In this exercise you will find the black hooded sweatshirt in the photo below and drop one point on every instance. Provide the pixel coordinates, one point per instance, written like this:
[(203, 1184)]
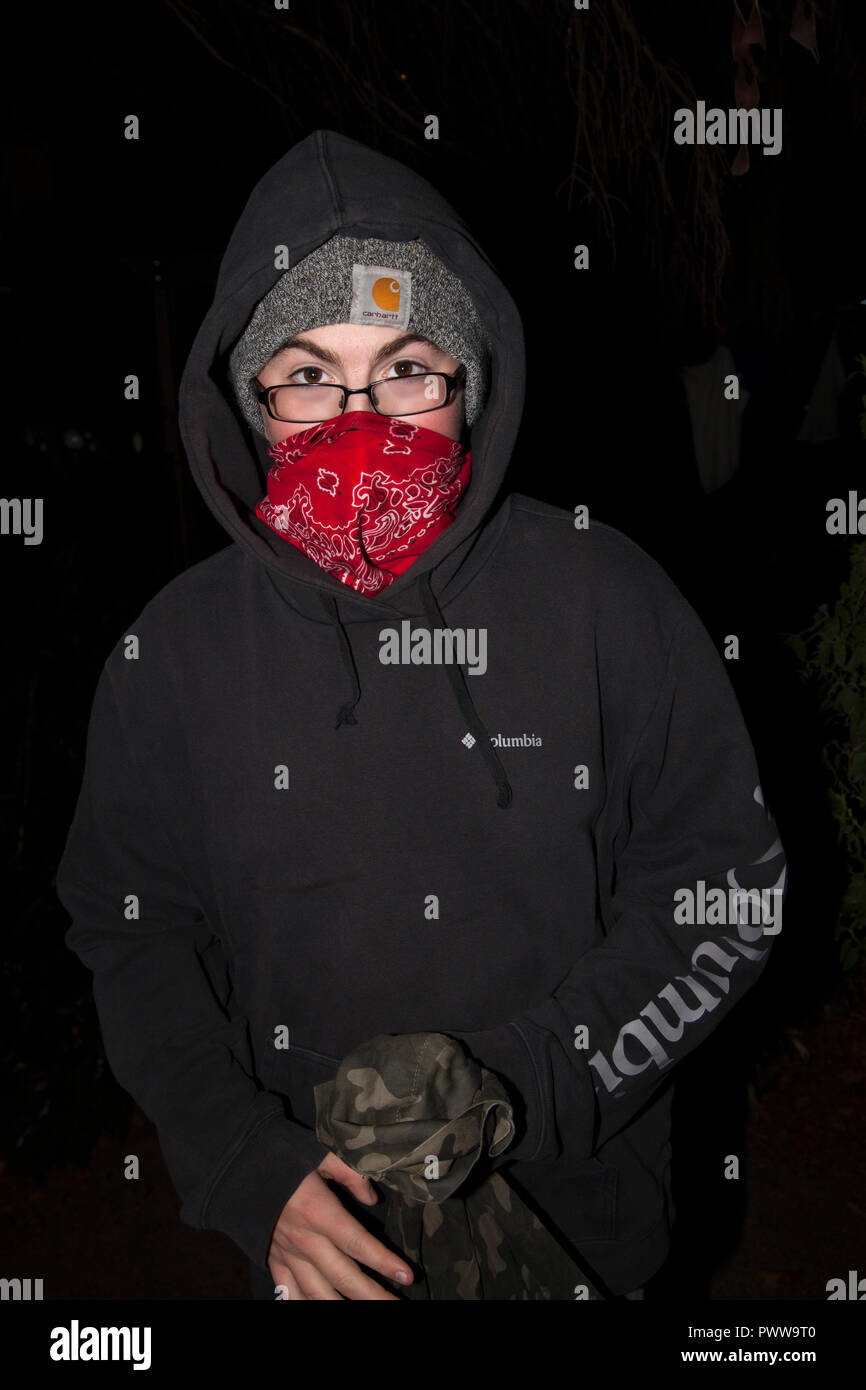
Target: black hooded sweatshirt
[(284, 846)]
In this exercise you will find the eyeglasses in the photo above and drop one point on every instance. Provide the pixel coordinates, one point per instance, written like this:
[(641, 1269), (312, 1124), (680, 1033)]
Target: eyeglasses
[(400, 395)]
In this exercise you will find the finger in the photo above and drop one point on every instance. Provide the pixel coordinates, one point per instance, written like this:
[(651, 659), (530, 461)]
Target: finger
[(325, 1216), (312, 1282), (341, 1274), (358, 1184), (360, 1187), (351, 1238), (284, 1280)]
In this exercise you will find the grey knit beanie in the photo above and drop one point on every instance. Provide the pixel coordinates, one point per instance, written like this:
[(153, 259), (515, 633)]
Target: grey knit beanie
[(349, 280)]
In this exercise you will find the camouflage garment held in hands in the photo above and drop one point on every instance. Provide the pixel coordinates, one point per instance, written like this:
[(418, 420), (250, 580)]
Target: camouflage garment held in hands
[(415, 1112)]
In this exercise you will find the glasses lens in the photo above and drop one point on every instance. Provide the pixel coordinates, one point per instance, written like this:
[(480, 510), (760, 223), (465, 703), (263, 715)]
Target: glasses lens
[(409, 395), (301, 403)]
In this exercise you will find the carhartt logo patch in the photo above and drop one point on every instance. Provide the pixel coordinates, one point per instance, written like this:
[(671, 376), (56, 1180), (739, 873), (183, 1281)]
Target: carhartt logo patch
[(381, 295)]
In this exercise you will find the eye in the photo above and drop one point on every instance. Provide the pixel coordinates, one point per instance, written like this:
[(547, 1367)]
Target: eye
[(304, 380), (410, 363)]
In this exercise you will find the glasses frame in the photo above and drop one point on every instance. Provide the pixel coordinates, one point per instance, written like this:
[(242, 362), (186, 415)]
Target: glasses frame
[(453, 381)]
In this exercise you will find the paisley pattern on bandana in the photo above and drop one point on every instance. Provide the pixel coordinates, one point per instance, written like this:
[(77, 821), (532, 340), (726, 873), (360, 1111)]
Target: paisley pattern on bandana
[(363, 495)]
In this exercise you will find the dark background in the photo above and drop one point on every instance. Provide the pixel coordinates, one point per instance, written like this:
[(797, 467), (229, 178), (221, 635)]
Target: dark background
[(555, 129)]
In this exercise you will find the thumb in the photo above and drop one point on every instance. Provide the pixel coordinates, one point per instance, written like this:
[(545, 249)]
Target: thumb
[(359, 1185)]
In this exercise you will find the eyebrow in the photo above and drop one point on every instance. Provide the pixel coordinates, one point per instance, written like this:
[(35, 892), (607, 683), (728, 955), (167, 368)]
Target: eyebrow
[(325, 354)]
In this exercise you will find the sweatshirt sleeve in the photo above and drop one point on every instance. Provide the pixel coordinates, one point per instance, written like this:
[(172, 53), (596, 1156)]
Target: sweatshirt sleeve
[(685, 818), (233, 1154)]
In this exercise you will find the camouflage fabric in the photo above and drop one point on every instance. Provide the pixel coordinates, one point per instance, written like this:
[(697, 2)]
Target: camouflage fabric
[(414, 1112)]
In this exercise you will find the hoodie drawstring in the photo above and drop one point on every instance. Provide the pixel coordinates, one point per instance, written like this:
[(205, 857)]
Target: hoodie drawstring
[(345, 714), (456, 678)]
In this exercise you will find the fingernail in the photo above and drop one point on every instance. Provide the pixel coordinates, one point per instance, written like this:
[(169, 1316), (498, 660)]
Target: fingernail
[(402, 1276)]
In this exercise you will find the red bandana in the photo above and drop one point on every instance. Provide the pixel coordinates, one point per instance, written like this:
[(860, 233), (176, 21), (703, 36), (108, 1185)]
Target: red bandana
[(363, 494)]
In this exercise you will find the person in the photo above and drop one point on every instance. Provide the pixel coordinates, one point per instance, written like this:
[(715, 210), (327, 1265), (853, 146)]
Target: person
[(411, 753)]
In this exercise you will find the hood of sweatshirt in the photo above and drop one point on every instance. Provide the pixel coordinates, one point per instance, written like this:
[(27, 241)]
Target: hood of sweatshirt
[(330, 185), (325, 186)]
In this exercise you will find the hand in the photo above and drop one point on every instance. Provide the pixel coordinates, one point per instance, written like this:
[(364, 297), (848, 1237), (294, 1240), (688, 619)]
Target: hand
[(316, 1243)]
